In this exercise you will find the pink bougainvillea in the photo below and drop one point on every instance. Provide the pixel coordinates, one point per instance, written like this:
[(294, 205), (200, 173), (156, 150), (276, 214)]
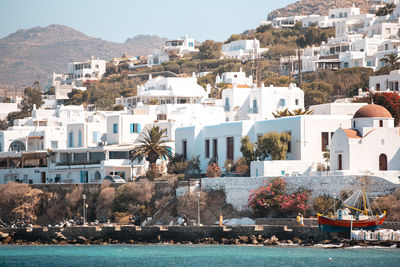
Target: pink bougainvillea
[(271, 199)]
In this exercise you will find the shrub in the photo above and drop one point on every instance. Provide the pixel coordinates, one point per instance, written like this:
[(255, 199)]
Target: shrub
[(241, 167), (272, 200), (19, 201), (134, 198), (105, 202), (323, 203), (188, 203), (177, 164), (391, 204), (213, 170)]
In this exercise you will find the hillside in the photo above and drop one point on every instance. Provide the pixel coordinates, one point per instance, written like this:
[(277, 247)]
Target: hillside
[(316, 7), (41, 51)]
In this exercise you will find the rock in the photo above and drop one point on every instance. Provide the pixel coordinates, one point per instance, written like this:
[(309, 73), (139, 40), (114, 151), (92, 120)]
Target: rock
[(54, 241), (274, 239), (237, 241), (290, 242), (7, 240), (224, 240), (326, 242), (131, 241), (296, 240), (3, 236), (260, 238), (81, 239), (63, 242), (254, 242), (243, 239), (60, 236)]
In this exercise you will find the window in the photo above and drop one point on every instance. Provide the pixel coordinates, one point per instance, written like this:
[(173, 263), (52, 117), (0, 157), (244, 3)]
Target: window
[(282, 102), (207, 148), (289, 144), (227, 107), (17, 146), (135, 128), (115, 128), (296, 102), (1, 147), (324, 141), (354, 124), (184, 149), (119, 154), (79, 138), (255, 106), (161, 117), (380, 123), (54, 144), (378, 87), (96, 137), (345, 65), (71, 139), (229, 148), (340, 165), (215, 148)]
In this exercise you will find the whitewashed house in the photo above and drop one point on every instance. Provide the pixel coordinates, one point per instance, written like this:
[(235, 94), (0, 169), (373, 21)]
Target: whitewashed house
[(372, 143), (385, 82), (243, 49), (180, 46), (311, 137)]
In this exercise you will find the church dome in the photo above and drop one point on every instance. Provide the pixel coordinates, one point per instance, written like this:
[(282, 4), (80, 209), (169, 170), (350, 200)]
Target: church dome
[(372, 111)]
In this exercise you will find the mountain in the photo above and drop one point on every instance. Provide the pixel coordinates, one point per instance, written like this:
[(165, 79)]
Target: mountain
[(40, 51), (316, 7)]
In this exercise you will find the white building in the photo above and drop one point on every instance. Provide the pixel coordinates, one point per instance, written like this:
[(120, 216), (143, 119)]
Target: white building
[(243, 49), (171, 90), (180, 46), (385, 82), (86, 71), (371, 144), (244, 103), (311, 137)]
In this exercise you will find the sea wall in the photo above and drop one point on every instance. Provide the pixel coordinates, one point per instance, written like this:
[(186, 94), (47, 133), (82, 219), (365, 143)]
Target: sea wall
[(153, 234), (238, 189)]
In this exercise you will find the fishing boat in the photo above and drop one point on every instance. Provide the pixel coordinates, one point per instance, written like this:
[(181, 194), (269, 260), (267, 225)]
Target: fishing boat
[(344, 221)]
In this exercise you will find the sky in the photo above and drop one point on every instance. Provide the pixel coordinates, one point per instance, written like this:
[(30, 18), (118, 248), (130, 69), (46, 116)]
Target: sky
[(117, 20)]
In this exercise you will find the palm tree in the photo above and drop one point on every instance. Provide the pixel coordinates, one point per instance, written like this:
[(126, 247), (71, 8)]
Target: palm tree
[(390, 59), (296, 112), (152, 146)]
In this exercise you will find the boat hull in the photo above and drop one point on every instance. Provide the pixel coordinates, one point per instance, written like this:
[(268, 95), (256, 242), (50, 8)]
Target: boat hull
[(337, 225)]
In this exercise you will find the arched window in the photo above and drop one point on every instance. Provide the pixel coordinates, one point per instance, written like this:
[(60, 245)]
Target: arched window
[(97, 176), (380, 123), (17, 146), (354, 124), (87, 75), (382, 162)]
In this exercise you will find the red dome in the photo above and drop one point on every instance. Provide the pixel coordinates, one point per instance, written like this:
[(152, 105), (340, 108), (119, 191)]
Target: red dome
[(372, 111)]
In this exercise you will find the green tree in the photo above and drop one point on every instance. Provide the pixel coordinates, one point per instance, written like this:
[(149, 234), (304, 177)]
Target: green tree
[(32, 96), (248, 150), (386, 10), (51, 91), (275, 144), (390, 59), (77, 97), (210, 50), (152, 146)]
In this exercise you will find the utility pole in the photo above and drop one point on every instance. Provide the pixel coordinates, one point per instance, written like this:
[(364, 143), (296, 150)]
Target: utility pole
[(84, 208), (198, 208)]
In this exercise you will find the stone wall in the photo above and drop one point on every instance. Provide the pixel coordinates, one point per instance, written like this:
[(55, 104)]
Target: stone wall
[(163, 233), (238, 189)]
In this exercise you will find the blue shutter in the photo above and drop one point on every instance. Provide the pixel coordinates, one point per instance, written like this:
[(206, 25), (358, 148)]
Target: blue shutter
[(132, 127), (71, 139), (138, 128), (115, 128), (95, 136), (79, 138)]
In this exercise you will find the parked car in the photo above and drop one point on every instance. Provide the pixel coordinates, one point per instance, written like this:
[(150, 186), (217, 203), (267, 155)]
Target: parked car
[(114, 179)]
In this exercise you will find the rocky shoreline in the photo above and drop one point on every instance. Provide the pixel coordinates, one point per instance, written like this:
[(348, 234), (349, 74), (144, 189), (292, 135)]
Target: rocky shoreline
[(260, 240)]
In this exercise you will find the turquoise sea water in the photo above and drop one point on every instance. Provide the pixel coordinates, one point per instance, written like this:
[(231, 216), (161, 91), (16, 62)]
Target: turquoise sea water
[(193, 255)]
